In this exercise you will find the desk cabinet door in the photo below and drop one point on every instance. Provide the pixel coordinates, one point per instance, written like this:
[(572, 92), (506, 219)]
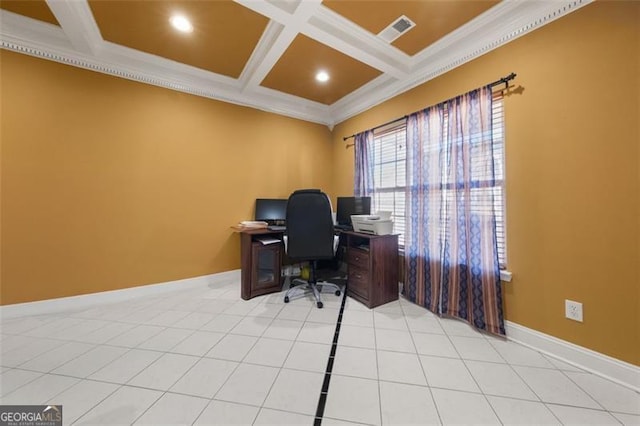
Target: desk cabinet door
[(265, 271)]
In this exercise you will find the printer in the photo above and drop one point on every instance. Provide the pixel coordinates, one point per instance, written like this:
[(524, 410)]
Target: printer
[(379, 223)]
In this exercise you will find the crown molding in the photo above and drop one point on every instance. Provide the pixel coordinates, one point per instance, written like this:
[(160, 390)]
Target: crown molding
[(79, 43), (498, 26), (48, 41)]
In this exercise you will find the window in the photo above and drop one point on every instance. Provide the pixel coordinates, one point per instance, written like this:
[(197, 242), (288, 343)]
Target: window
[(389, 156)]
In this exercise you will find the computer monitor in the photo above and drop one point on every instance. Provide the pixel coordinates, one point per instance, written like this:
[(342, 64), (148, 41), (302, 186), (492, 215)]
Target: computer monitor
[(351, 205), (271, 210)]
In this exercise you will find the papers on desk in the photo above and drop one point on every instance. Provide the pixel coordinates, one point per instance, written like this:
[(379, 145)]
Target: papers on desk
[(267, 240), (252, 224)]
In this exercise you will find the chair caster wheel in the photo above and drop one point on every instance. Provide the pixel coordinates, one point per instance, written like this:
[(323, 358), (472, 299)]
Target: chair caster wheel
[(319, 305), (286, 299), (337, 292)]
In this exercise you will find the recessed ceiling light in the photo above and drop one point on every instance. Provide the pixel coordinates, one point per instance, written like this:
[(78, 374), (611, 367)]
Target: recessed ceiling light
[(181, 23), (322, 76)]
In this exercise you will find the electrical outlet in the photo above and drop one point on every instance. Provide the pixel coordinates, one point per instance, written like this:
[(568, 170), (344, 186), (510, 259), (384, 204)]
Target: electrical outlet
[(573, 310)]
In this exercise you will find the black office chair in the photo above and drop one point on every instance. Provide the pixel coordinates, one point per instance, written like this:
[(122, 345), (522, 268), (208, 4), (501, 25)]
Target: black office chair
[(310, 237)]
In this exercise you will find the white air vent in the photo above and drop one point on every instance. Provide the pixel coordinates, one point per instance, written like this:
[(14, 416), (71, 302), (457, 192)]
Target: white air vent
[(396, 29)]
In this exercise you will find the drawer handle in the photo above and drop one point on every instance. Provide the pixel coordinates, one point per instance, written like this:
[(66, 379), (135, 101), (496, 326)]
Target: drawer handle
[(358, 276)]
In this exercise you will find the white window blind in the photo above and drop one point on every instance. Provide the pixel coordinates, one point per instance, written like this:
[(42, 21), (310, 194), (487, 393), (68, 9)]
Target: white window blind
[(497, 121), (389, 170), (389, 145)]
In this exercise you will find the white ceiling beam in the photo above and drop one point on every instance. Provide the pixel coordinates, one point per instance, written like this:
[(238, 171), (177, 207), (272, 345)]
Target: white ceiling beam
[(305, 10), (275, 40), (268, 10), (327, 27), (334, 30), (78, 23), (266, 59)]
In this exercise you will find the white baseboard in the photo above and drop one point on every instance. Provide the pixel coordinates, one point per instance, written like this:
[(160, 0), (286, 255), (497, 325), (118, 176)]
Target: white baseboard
[(613, 369), (603, 365), (85, 301)]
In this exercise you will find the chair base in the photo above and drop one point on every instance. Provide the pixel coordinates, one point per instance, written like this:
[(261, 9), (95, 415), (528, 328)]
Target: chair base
[(307, 287)]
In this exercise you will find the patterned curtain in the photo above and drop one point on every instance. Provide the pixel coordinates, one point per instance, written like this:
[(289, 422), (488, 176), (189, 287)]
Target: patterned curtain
[(363, 177), (451, 256)]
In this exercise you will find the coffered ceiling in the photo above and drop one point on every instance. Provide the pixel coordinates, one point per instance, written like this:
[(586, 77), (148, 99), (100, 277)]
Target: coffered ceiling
[(266, 53)]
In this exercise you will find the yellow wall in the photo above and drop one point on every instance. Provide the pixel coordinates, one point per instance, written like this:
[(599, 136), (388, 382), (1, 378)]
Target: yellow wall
[(108, 183), (573, 176)]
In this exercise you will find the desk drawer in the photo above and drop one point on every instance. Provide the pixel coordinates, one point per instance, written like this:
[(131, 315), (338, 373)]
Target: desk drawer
[(359, 281), (359, 258)]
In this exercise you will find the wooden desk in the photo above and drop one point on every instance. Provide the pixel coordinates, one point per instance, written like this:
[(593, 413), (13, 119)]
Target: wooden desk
[(372, 262), (260, 263)]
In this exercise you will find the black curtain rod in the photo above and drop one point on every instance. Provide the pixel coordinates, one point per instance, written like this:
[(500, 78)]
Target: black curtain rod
[(377, 127), (503, 80)]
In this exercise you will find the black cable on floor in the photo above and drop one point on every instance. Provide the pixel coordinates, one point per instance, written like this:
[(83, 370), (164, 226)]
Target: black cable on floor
[(327, 374)]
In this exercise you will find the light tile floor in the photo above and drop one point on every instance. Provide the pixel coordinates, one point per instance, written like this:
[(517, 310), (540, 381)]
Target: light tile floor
[(203, 356)]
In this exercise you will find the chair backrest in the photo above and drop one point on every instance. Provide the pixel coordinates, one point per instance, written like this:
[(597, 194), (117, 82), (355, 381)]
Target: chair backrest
[(309, 225)]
